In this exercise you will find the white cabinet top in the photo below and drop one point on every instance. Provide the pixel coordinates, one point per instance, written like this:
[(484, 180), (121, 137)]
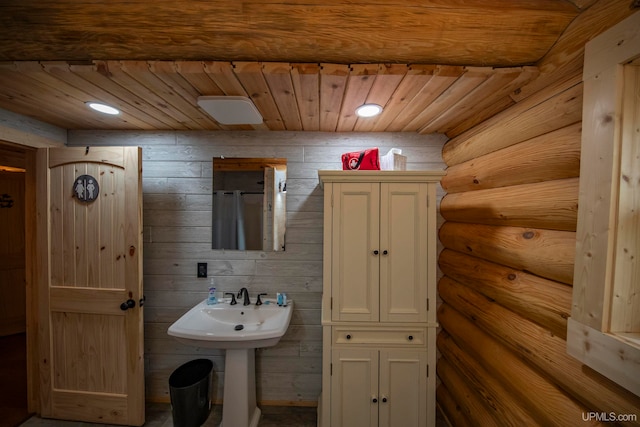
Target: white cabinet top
[(379, 176)]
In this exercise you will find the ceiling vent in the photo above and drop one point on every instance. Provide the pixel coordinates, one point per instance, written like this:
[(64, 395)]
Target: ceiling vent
[(231, 110)]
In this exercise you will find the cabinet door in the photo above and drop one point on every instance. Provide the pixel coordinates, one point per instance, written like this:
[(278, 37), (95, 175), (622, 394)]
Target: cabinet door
[(354, 388), (354, 261), (404, 247), (403, 388)]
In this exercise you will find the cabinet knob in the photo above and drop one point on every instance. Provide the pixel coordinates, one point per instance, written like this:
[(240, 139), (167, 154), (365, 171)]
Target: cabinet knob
[(376, 252), (384, 400), (348, 336), (374, 400), (410, 337), (385, 252)]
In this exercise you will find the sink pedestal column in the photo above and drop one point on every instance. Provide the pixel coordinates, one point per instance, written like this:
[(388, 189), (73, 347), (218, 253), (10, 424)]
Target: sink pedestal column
[(239, 407)]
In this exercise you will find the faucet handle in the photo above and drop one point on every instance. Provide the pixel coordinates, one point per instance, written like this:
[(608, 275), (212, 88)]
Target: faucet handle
[(259, 301), (233, 298)]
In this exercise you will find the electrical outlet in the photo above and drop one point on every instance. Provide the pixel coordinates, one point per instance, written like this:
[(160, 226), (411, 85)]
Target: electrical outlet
[(202, 269)]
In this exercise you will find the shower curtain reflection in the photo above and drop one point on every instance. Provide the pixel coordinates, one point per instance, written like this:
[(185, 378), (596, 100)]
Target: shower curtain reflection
[(237, 217)]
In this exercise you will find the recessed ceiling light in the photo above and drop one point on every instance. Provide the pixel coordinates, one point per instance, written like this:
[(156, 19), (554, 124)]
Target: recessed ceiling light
[(103, 108), (368, 110)]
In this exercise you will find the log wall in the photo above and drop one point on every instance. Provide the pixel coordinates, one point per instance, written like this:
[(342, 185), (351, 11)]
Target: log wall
[(177, 185), (509, 248)]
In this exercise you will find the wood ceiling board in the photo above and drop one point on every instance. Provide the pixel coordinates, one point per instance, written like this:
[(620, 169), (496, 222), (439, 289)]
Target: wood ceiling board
[(131, 117), (386, 83), (475, 87), (472, 109), (24, 85), (167, 96), (106, 90), (416, 77), (152, 103), (359, 83), (443, 77), (250, 75), (194, 73), (333, 82), (184, 95), (306, 83), (278, 77)]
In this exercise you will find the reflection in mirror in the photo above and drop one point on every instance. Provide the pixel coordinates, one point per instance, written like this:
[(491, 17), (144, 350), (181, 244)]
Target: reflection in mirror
[(249, 203)]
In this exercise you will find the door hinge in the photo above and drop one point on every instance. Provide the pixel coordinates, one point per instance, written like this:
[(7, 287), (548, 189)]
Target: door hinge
[(427, 304), (331, 369), (331, 303), (427, 370)]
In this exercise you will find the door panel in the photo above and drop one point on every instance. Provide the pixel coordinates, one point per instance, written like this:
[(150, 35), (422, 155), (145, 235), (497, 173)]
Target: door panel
[(403, 268), (354, 385), (90, 262), (403, 383), (355, 267)]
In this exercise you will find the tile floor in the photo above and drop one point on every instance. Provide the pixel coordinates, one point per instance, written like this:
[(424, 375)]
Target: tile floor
[(159, 415)]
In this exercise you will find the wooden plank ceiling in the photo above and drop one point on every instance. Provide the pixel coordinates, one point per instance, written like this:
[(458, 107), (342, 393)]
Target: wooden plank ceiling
[(434, 65)]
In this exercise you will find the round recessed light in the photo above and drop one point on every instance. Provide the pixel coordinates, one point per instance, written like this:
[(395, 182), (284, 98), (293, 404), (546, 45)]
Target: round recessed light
[(103, 108), (368, 110)]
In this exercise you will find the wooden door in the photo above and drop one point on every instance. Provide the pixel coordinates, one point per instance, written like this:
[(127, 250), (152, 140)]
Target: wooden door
[(89, 263), (403, 388), (404, 246), (355, 253), (354, 388)]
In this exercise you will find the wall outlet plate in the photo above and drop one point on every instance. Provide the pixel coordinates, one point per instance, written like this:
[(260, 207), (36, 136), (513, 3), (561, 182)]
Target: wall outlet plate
[(202, 269)]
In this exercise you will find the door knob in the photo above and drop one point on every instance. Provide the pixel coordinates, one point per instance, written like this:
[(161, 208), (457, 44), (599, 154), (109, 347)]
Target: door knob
[(127, 305), (142, 300)]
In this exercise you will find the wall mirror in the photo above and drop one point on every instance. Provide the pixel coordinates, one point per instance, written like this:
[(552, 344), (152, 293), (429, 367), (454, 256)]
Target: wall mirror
[(249, 203)]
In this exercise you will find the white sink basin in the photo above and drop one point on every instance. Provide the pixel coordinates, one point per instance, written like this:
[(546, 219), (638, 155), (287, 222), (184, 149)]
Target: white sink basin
[(229, 326)]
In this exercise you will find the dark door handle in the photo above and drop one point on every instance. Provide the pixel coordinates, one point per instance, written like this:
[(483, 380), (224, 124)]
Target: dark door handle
[(127, 305)]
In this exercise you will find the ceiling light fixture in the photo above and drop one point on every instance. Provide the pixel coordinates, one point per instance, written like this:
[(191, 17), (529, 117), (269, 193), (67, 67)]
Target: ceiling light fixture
[(103, 108), (231, 110), (368, 110)]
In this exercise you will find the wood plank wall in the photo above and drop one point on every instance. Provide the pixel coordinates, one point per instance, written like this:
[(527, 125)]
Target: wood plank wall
[(177, 233), (509, 247)]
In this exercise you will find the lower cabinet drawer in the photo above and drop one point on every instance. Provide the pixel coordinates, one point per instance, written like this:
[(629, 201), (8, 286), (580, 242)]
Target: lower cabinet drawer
[(410, 337)]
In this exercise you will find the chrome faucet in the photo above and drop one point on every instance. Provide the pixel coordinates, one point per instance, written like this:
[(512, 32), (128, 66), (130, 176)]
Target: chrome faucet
[(244, 292)]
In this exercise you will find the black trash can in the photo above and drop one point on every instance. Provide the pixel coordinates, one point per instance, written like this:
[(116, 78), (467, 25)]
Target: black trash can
[(190, 390)]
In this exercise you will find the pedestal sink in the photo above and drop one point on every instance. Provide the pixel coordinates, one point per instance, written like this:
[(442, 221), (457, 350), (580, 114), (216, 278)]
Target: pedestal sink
[(238, 329)]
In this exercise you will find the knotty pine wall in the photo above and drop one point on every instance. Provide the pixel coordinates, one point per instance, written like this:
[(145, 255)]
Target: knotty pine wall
[(177, 182), (509, 244)]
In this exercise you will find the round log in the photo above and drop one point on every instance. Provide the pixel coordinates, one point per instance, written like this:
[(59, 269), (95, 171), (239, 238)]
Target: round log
[(551, 406), (541, 349), (546, 253), (498, 399), (465, 397), (555, 155), (450, 409), (516, 124), (551, 205), (543, 301)]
